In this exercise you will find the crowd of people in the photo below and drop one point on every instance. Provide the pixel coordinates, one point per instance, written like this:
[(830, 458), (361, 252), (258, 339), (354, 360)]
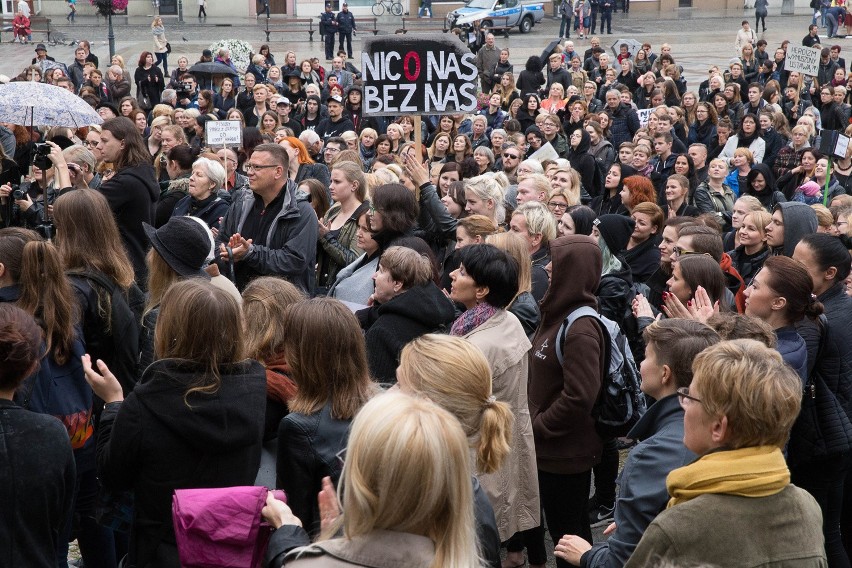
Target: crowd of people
[(190, 313)]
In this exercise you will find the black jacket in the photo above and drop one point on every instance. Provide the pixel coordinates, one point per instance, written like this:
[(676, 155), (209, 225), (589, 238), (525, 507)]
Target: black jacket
[(832, 371), (131, 194), (308, 448), (583, 161), (156, 441), (614, 294), (36, 486), (525, 308), (390, 326), (643, 259), (288, 250), (210, 210), (748, 265)]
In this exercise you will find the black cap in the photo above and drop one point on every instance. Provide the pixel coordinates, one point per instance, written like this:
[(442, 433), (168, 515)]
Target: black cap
[(207, 53), (110, 106), (615, 230), (183, 244), (40, 47)]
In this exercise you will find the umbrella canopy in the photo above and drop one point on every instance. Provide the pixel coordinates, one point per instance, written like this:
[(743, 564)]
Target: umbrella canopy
[(632, 46), (212, 68), (38, 104), (548, 51)]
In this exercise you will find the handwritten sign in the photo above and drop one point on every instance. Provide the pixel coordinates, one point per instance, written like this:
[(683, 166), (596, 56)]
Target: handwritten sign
[(223, 132), (803, 59), (417, 74), (644, 115)]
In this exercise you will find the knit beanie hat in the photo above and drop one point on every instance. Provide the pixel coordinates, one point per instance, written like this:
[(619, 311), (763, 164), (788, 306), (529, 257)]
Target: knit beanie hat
[(615, 230)]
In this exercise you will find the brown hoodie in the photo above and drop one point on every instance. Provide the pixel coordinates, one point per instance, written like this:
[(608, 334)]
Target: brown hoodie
[(561, 397)]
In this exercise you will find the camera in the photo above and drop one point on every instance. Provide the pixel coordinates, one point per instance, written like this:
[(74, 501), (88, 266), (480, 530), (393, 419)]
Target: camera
[(41, 156), (20, 191), (184, 91)]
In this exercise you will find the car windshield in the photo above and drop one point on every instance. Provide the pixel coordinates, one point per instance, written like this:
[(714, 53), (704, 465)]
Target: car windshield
[(482, 4)]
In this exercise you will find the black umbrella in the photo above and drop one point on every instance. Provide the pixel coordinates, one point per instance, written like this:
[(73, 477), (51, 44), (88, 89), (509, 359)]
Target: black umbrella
[(212, 68), (548, 51), (207, 70)]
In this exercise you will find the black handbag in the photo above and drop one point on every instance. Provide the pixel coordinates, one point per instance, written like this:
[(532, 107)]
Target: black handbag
[(168, 47)]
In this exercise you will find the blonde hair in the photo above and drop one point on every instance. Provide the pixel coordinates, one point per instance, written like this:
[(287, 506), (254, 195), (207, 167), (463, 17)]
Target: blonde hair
[(750, 385), (824, 217), (379, 177), (746, 153), (752, 202), (519, 249), (572, 194), (454, 374), (407, 469), (760, 219), (539, 220), (486, 188)]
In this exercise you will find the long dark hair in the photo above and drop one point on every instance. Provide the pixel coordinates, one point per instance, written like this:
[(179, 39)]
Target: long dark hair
[(135, 150)]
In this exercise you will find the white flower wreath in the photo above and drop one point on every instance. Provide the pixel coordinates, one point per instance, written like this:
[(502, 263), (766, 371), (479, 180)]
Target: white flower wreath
[(241, 51)]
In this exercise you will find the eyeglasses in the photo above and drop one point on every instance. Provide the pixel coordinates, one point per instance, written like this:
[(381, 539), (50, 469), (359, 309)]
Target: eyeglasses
[(520, 171), (332, 149), (678, 252), (557, 205), (249, 168), (683, 393), (513, 156)]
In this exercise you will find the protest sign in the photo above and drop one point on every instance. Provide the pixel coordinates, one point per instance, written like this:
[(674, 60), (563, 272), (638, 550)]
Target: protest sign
[(803, 59), (417, 74), (223, 132), (644, 115)]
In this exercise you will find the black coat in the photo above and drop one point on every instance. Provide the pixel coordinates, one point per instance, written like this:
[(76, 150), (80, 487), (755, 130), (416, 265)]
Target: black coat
[(210, 210), (643, 259), (390, 326), (748, 265), (308, 448), (36, 486), (131, 194), (154, 442), (833, 367), (525, 308)]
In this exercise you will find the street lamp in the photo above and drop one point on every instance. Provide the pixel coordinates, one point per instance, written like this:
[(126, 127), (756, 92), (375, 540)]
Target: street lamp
[(107, 8)]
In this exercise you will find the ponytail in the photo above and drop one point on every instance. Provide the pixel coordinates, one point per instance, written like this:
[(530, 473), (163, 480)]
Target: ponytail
[(814, 307), (495, 432), (46, 294)]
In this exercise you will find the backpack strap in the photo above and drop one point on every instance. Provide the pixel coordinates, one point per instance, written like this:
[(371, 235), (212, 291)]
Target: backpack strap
[(584, 311), (98, 277)]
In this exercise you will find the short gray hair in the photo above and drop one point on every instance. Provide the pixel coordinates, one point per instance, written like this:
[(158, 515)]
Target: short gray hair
[(169, 95), (214, 169)]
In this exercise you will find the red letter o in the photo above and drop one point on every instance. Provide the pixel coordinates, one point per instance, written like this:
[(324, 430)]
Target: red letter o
[(409, 56)]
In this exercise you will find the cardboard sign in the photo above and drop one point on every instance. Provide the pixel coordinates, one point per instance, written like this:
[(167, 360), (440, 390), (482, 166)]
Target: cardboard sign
[(417, 74), (223, 133), (803, 59)]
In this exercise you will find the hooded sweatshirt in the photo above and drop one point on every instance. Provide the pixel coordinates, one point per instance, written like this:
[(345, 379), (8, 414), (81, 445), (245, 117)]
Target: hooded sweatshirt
[(160, 439), (561, 397), (799, 220), (390, 326), (769, 196), (583, 161)]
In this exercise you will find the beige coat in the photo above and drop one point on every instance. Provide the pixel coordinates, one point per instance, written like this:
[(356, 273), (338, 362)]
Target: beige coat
[(379, 549), (513, 489)]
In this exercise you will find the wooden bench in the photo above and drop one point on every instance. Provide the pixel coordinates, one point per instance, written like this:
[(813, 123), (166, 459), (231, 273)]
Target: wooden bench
[(290, 25), (368, 25), (38, 25), (415, 24)]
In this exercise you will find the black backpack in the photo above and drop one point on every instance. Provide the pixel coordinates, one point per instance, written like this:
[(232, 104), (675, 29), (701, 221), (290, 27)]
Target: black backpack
[(621, 402), (119, 340)]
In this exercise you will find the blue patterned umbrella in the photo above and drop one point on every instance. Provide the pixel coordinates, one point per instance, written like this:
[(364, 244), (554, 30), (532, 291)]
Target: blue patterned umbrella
[(38, 104)]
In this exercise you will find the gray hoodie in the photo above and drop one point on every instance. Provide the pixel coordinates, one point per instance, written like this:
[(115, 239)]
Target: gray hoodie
[(799, 220)]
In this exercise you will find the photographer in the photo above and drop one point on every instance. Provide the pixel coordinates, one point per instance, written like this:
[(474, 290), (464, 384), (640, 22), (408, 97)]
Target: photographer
[(23, 205), (187, 92), (81, 167)]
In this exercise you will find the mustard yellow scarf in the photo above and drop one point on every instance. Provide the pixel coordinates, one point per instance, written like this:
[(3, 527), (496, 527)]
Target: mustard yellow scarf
[(747, 472)]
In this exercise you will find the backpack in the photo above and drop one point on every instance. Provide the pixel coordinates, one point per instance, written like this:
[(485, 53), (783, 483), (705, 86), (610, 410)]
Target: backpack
[(120, 343), (621, 403)]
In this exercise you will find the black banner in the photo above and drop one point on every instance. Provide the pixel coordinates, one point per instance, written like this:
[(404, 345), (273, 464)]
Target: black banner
[(411, 74)]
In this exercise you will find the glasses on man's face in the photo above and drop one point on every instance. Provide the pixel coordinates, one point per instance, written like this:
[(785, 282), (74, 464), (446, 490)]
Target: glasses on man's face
[(332, 150), (249, 168), (683, 394), (556, 206), (512, 156)]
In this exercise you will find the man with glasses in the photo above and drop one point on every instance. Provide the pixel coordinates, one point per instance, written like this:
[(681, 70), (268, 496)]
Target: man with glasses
[(332, 150), (512, 156), (270, 230)]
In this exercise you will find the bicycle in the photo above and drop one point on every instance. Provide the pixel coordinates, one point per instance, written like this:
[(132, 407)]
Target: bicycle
[(393, 5)]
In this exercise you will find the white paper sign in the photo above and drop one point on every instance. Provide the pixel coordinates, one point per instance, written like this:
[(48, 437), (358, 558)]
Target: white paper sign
[(644, 115), (223, 132), (546, 152), (802, 59)]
